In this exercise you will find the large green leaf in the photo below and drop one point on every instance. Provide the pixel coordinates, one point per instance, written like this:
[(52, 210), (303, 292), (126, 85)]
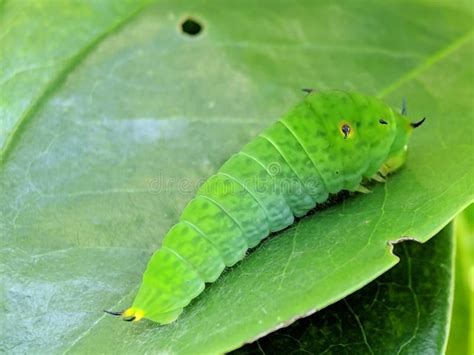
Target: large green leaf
[(461, 335), (403, 311), (116, 146), (41, 43)]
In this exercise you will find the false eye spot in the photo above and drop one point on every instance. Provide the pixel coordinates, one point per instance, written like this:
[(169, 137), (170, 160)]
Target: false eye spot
[(382, 121), (346, 130)]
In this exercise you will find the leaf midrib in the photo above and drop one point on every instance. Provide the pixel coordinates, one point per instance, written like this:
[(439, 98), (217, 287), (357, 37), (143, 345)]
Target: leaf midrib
[(427, 64), (56, 81)]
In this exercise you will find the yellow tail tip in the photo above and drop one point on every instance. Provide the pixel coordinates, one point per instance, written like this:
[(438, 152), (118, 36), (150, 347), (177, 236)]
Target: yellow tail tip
[(133, 314)]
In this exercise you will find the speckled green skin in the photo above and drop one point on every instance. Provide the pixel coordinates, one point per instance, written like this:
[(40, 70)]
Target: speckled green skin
[(284, 172)]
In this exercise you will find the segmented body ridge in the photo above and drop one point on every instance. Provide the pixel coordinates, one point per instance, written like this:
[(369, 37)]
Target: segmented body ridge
[(284, 172)]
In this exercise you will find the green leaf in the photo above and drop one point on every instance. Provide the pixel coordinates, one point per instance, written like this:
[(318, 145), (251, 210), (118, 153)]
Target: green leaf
[(461, 335), (403, 311), (41, 43), (109, 156)]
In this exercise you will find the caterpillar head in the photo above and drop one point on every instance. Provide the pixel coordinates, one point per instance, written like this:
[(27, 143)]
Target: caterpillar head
[(362, 134), (398, 150)]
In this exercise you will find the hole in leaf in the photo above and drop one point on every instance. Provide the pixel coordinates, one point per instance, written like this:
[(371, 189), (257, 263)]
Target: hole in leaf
[(191, 27)]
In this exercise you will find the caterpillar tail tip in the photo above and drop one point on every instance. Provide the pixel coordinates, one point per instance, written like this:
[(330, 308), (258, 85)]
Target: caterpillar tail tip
[(133, 314), (128, 315), (113, 313)]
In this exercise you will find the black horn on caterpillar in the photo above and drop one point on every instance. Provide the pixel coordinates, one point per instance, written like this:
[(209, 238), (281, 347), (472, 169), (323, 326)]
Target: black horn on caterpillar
[(419, 123)]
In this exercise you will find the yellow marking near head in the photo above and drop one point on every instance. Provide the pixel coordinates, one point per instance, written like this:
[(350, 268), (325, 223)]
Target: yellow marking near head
[(394, 162)]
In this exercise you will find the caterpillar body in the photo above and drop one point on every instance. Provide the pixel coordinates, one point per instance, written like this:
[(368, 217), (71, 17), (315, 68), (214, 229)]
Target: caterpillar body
[(331, 141)]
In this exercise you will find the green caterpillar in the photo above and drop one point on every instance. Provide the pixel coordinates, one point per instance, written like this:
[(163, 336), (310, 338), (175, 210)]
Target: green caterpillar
[(329, 142)]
